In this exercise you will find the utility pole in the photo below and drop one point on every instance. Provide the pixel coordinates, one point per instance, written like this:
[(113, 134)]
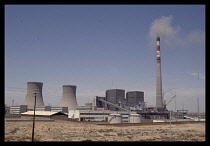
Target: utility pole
[(175, 100), (170, 128), (198, 108), (13, 102), (34, 114), (183, 106)]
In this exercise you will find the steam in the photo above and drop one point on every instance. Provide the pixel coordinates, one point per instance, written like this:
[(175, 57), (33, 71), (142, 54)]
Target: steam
[(162, 27), (171, 37)]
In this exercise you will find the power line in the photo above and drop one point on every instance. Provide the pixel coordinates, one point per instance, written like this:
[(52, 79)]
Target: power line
[(16, 88), (56, 95)]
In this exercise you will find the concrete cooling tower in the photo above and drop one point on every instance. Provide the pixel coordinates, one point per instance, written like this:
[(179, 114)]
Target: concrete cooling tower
[(69, 97), (30, 96)]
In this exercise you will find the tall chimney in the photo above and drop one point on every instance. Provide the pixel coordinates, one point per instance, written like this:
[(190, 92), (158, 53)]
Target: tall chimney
[(159, 99)]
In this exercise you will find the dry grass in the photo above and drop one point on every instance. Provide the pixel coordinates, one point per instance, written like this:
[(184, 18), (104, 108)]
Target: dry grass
[(78, 131)]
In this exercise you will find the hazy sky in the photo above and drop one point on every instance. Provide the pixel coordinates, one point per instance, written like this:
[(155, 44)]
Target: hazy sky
[(100, 47)]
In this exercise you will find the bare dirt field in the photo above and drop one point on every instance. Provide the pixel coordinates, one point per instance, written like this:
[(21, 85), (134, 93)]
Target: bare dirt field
[(79, 131)]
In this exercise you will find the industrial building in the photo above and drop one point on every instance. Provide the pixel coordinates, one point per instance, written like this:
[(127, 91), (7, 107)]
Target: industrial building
[(113, 106), (134, 98), (99, 103), (115, 96), (7, 110), (45, 115), (85, 115), (17, 110), (42, 108), (59, 109), (51, 108)]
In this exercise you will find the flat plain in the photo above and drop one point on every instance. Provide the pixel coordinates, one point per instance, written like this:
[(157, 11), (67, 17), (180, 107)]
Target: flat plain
[(84, 131)]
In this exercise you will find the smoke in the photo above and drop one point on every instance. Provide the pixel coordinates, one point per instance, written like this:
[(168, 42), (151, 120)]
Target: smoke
[(162, 27), (173, 37)]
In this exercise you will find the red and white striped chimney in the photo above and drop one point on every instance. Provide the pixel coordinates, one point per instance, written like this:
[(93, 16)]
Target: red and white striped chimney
[(158, 49), (159, 99)]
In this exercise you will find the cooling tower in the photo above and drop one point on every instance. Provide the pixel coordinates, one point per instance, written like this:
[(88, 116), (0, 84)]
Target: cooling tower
[(69, 97), (30, 96), (159, 100)]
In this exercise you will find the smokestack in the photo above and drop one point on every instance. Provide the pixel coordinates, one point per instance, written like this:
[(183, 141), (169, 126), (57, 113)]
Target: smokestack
[(30, 97), (159, 99), (69, 97)]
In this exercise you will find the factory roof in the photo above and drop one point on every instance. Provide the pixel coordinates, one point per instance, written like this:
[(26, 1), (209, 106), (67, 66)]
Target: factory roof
[(134, 91), (42, 113), (69, 86), (34, 82), (115, 114), (134, 114), (114, 89)]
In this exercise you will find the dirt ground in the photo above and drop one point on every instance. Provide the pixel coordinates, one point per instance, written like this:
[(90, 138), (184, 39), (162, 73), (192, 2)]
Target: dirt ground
[(78, 131)]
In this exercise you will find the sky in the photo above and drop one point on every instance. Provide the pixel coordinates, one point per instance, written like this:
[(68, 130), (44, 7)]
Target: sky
[(101, 47)]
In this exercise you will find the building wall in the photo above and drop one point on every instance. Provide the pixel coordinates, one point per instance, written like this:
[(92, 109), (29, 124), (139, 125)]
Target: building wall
[(59, 109), (134, 97), (131, 98), (46, 117), (100, 115), (83, 108), (59, 117), (30, 117), (100, 104), (18, 109), (114, 96), (7, 110)]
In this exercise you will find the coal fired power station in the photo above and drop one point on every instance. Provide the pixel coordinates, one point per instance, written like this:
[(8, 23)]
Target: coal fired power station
[(159, 97), (32, 89), (113, 107)]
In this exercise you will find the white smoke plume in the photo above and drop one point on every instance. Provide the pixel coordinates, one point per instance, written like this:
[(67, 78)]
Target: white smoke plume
[(162, 27), (171, 36)]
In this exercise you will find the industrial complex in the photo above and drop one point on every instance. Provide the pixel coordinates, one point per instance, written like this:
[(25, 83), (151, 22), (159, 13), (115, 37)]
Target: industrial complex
[(117, 106)]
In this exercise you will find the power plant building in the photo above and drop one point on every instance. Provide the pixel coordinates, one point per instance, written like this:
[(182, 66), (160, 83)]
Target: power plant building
[(115, 96), (32, 88), (100, 104), (134, 98), (69, 97), (18, 109)]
